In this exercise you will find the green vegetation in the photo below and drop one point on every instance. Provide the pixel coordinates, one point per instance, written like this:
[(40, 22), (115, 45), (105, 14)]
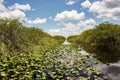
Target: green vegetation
[(62, 62), (31, 54), (103, 41), (60, 39), (73, 39), (16, 37)]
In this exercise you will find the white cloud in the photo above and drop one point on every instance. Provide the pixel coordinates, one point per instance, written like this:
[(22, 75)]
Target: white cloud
[(20, 7), (67, 30), (86, 22), (54, 30), (36, 21), (86, 4), (108, 9), (70, 2), (69, 15), (70, 27), (1, 1), (13, 12), (2, 8), (17, 11), (61, 32), (73, 29)]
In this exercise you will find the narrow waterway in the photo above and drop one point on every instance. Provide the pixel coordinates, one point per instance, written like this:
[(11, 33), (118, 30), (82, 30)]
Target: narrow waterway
[(66, 42), (112, 71)]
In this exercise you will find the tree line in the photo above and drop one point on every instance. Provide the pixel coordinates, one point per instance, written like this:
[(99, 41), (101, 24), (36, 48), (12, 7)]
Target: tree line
[(103, 42), (15, 37)]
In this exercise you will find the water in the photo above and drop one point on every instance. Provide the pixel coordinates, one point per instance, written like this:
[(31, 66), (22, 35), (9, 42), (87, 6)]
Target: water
[(81, 51), (66, 42)]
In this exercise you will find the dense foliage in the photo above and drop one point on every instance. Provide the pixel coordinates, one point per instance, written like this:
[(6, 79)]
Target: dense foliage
[(103, 41), (73, 39), (31, 54), (60, 39), (62, 63), (16, 37)]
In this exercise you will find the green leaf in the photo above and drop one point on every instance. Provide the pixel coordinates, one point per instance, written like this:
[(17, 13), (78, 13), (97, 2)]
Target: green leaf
[(3, 74)]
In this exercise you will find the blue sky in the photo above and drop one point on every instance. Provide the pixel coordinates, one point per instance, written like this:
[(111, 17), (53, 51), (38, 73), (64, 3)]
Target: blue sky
[(61, 17)]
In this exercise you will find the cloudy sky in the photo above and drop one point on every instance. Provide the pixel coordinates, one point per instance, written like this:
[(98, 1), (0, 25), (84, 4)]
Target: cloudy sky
[(61, 17)]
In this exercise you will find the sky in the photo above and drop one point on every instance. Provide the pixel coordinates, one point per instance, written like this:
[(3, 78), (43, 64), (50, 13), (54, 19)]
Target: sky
[(61, 17)]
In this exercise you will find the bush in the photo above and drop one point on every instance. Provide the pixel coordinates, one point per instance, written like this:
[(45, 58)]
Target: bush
[(60, 39), (19, 38), (103, 41)]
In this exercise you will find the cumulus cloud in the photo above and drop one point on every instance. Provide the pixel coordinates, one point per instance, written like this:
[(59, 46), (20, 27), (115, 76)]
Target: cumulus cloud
[(13, 12), (65, 33), (36, 21), (69, 15), (108, 9), (17, 11), (70, 27), (86, 22), (2, 7), (1, 1), (70, 2), (54, 32), (86, 4), (73, 29), (20, 7)]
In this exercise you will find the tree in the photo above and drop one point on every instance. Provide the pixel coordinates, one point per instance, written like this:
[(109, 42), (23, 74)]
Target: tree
[(103, 41), (60, 39), (106, 42), (17, 37), (73, 39)]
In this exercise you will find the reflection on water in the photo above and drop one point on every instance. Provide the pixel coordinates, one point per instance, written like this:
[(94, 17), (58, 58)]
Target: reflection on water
[(83, 52), (66, 42), (70, 55)]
